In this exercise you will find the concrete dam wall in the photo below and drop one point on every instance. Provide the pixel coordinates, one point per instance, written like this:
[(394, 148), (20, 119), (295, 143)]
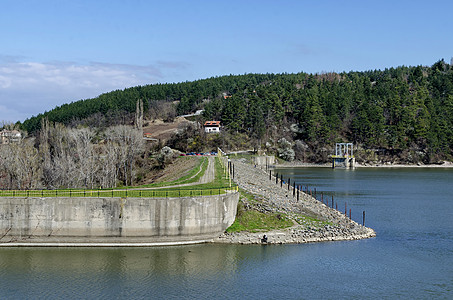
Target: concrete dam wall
[(116, 220)]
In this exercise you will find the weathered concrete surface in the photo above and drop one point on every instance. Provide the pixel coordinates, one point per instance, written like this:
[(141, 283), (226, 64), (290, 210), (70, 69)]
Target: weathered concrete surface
[(116, 220), (264, 160)]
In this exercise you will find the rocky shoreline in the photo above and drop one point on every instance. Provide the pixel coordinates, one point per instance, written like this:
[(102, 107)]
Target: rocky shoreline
[(271, 197), (444, 164)]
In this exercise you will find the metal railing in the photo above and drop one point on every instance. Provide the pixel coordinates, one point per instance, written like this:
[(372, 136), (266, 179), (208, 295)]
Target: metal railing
[(119, 193)]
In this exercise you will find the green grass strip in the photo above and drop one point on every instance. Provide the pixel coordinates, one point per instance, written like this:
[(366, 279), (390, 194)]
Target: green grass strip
[(124, 193), (255, 221), (193, 176), (220, 179)]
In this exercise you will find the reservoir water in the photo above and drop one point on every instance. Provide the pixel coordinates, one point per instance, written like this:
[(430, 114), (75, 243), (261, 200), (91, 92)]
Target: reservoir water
[(411, 210)]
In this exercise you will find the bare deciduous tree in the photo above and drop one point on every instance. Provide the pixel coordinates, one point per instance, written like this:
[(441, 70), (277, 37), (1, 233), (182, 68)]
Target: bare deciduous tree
[(21, 164), (71, 158), (139, 115), (126, 143)]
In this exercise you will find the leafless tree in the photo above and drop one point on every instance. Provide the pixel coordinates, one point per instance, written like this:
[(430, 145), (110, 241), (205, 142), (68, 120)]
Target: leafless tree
[(161, 109), (139, 115), (83, 150), (126, 143), (72, 158), (21, 164)]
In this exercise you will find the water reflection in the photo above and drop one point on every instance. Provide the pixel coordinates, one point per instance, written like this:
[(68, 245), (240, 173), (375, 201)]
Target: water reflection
[(97, 272), (196, 260)]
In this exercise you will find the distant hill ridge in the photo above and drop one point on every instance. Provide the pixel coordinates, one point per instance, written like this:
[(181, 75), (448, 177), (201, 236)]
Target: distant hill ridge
[(394, 109)]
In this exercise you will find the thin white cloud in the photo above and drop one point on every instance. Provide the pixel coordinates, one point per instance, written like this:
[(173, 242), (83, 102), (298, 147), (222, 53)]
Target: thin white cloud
[(29, 88), (37, 75)]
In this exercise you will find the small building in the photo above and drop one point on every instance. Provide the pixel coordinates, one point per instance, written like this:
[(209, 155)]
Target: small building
[(212, 126), (344, 155), (147, 136), (226, 96), (10, 136)]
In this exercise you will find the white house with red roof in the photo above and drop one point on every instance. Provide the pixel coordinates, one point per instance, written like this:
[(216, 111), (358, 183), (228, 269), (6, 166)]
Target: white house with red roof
[(212, 126)]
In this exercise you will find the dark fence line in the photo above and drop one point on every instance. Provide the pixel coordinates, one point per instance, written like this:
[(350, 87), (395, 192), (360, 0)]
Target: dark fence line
[(311, 192)]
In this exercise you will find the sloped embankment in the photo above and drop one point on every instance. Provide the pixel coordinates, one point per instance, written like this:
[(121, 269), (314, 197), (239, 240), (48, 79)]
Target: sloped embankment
[(314, 221)]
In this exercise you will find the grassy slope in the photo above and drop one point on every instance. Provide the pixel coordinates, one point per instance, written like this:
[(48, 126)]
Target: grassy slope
[(254, 221), (192, 176)]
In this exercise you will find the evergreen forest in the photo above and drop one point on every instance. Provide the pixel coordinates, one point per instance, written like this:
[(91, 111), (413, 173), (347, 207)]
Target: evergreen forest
[(402, 114)]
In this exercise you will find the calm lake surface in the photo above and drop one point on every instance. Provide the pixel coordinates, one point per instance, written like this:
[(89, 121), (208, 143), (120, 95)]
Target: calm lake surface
[(411, 210)]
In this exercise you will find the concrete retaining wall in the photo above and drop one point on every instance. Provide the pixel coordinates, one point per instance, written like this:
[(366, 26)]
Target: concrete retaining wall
[(264, 160), (116, 219)]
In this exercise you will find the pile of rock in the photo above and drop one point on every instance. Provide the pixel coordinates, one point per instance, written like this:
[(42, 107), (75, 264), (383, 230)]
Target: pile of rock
[(296, 234), (272, 198)]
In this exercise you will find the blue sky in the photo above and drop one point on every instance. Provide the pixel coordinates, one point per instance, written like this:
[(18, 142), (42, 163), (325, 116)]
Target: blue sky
[(55, 52)]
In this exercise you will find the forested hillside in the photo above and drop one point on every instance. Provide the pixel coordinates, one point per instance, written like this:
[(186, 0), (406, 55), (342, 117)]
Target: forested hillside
[(404, 112)]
